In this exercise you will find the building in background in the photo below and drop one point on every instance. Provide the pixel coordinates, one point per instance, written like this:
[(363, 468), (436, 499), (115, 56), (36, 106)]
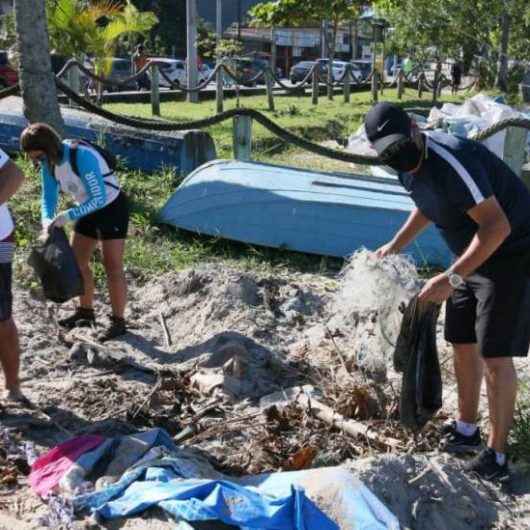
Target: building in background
[(297, 44)]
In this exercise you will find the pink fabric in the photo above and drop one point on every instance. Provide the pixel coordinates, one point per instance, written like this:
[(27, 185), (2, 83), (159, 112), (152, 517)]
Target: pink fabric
[(47, 470)]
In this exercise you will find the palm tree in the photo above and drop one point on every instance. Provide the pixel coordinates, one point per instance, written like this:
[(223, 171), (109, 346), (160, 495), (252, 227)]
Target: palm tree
[(37, 80), (78, 27)]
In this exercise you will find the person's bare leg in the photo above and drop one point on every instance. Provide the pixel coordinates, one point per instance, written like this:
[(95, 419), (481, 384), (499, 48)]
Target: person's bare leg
[(469, 370), (10, 354), (83, 248), (501, 384), (113, 250)]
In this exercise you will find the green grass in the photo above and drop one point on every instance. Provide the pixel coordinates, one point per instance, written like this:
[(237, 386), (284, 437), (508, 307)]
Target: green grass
[(153, 249), (329, 120)]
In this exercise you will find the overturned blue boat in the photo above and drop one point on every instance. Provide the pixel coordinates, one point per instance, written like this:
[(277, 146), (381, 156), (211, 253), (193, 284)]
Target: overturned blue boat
[(282, 207), (142, 150)]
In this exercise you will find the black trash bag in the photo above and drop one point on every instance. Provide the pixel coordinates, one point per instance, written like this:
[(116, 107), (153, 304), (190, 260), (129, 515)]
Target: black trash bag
[(416, 355), (56, 267)]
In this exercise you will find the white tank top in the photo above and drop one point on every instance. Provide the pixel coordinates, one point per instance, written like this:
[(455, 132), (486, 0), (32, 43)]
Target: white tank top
[(6, 221)]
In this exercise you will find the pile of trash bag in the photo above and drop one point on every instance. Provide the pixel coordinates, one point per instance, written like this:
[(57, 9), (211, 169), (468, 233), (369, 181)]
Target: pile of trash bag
[(55, 265)]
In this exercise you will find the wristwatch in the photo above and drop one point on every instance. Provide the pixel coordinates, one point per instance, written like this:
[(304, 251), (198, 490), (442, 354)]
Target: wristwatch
[(455, 280)]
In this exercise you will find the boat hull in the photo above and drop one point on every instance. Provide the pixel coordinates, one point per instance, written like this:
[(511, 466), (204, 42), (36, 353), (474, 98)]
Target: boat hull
[(306, 211), (147, 151)]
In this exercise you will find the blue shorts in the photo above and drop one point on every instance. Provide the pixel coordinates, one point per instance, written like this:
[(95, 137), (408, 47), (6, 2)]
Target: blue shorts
[(6, 295)]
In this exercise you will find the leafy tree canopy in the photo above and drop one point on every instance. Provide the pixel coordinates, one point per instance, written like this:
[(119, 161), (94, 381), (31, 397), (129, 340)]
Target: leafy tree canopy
[(78, 27)]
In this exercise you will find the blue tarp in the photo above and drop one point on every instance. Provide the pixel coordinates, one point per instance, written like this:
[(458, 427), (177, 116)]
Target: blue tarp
[(159, 484), (183, 483)]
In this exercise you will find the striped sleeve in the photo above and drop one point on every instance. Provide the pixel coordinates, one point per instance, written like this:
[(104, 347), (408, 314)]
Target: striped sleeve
[(467, 180), (50, 193)]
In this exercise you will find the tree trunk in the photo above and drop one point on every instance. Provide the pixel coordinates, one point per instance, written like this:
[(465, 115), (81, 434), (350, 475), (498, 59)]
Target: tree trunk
[(37, 80), (502, 70)]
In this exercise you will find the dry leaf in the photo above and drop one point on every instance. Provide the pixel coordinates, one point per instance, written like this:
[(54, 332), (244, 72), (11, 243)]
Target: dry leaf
[(302, 459)]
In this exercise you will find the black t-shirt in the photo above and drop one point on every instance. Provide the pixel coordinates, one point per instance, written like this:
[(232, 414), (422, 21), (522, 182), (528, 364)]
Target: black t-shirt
[(458, 174)]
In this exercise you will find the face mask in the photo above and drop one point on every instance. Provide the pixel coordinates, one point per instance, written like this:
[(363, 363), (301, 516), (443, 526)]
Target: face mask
[(404, 157)]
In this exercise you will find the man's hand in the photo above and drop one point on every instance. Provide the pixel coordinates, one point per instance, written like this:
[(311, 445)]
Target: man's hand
[(437, 290), (386, 250)]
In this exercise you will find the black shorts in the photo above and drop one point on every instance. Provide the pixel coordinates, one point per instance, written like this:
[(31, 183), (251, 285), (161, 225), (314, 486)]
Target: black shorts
[(492, 309), (109, 222), (6, 295)]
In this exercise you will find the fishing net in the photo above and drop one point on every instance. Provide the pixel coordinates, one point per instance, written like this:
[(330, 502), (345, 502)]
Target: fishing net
[(368, 306)]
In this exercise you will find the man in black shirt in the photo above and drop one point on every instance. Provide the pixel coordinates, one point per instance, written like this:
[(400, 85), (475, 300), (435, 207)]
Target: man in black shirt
[(482, 210)]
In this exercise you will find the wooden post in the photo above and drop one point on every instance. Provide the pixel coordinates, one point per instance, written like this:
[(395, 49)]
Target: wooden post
[(420, 85), (155, 90), (435, 86), (219, 94), (400, 84), (346, 86), (514, 150), (269, 84), (219, 76), (242, 138), (315, 87), (74, 81), (375, 76)]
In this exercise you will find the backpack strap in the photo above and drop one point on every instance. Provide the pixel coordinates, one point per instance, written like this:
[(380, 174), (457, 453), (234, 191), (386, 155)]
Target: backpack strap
[(75, 168)]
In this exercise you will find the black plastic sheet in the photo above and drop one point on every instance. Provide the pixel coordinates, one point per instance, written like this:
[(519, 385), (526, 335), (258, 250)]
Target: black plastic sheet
[(416, 355)]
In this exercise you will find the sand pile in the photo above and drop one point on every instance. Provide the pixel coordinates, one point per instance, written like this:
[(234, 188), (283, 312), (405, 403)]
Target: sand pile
[(206, 344)]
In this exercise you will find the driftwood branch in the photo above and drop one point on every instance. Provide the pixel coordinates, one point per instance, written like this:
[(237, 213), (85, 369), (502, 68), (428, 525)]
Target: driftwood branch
[(352, 427), (167, 335)]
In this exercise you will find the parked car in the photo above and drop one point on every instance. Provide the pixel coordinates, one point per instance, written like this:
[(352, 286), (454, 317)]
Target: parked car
[(120, 70), (175, 70), (8, 75), (300, 70), (365, 67), (247, 70)]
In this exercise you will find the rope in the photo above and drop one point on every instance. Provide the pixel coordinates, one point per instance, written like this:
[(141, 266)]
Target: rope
[(118, 82), (280, 132), (298, 86), (274, 128), (11, 91), (198, 88), (523, 123)]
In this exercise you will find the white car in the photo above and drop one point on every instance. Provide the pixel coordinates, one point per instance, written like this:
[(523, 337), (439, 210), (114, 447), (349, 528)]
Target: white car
[(175, 71), (339, 68)]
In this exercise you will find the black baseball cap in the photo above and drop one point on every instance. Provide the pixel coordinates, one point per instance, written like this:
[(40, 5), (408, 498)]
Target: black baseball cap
[(386, 124)]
